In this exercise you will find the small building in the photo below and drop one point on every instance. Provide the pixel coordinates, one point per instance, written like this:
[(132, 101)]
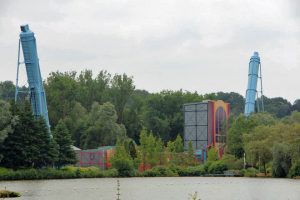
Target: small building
[(96, 157), (205, 125)]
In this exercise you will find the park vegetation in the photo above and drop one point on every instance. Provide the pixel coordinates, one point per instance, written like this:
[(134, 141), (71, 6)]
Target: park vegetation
[(88, 111)]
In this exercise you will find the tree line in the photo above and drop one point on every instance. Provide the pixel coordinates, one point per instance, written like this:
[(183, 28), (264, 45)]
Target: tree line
[(89, 111), (269, 144), (96, 108)]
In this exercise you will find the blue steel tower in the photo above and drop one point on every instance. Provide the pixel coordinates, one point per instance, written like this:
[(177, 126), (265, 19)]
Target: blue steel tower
[(251, 92), (34, 78)]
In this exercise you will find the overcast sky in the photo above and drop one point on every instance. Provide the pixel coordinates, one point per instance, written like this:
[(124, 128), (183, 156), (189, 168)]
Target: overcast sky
[(194, 45)]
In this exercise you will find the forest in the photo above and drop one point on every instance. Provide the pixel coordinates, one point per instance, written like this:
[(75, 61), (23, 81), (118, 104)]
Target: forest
[(94, 110)]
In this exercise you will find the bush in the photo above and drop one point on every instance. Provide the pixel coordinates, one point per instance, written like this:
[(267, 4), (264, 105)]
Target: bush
[(111, 173), (217, 167), (232, 162), (89, 172), (295, 170), (159, 171), (192, 171), (150, 173), (4, 170), (207, 165), (124, 166), (250, 172), (164, 171), (50, 173)]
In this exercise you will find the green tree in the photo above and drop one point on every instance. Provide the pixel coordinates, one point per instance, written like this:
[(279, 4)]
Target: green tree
[(282, 160), (163, 112), (212, 154), (258, 146), (133, 114), (76, 123), (93, 90), (151, 149), (178, 144), (121, 89), (241, 126), (235, 100), (122, 161), (7, 90), (296, 105), (176, 149), (278, 106), (190, 154), (103, 128), (62, 137), (29, 144), (6, 120), (47, 147), (62, 92)]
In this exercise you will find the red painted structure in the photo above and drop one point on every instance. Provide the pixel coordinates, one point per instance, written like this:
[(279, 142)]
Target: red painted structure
[(206, 125), (95, 157)]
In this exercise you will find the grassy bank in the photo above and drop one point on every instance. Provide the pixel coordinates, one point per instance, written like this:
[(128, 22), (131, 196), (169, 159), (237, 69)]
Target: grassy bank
[(50, 173), (94, 172), (8, 194)]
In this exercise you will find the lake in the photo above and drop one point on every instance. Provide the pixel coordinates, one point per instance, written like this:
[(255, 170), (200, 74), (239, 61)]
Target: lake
[(175, 188)]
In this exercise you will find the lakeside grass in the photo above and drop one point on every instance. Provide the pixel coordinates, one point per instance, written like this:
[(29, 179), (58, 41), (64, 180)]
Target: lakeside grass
[(8, 194), (72, 172)]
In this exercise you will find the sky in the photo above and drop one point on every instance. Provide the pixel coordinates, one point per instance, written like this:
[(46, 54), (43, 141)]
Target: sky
[(193, 45)]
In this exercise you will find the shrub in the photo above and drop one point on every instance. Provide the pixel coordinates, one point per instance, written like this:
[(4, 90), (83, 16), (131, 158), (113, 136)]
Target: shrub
[(149, 173), (217, 167), (124, 166), (232, 162), (122, 161), (89, 172), (207, 165), (159, 171), (50, 173), (111, 173), (164, 171), (4, 170), (295, 170), (250, 172), (192, 171)]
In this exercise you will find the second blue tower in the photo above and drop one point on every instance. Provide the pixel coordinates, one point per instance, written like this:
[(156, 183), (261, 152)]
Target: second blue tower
[(251, 91)]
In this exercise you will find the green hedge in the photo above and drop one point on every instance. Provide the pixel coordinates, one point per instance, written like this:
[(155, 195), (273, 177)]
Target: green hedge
[(50, 173), (159, 171), (192, 171)]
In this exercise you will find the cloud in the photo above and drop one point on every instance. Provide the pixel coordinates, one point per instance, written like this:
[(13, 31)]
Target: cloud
[(195, 45)]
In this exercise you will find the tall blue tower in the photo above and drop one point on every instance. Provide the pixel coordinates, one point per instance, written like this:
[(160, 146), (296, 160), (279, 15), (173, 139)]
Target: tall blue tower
[(34, 78), (251, 92)]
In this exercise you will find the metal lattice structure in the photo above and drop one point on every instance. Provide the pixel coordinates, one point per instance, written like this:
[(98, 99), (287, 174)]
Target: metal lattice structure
[(252, 93), (34, 78)]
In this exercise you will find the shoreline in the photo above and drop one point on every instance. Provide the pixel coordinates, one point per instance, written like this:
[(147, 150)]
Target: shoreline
[(112, 174)]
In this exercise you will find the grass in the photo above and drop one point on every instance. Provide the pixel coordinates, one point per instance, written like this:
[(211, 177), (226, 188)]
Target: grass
[(8, 194), (50, 173)]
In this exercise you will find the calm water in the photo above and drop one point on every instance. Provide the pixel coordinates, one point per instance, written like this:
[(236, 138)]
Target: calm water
[(177, 188)]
